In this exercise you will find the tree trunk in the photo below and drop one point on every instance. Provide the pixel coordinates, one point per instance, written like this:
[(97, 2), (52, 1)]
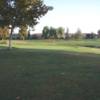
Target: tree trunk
[(10, 39)]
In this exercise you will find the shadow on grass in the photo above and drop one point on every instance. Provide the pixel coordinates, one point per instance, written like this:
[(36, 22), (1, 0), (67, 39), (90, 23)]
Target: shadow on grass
[(3, 47), (47, 51), (91, 46), (38, 74)]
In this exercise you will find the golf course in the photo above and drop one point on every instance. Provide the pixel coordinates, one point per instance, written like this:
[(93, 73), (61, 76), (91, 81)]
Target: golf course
[(50, 70)]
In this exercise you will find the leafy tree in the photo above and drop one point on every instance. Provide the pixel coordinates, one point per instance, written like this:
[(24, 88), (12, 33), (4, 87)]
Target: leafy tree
[(78, 34), (98, 33), (91, 35), (23, 32), (16, 13), (49, 32), (4, 32), (1, 32), (60, 32), (45, 32), (67, 35), (29, 35), (52, 33)]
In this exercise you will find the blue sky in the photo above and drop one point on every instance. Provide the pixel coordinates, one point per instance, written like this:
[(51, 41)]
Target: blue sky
[(74, 14)]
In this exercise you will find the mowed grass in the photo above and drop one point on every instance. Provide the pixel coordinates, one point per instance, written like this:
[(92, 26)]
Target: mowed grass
[(77, 46), (38, 73)]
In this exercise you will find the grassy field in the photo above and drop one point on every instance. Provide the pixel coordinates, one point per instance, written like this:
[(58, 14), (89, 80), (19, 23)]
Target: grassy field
[(50, 70), (77, 46)]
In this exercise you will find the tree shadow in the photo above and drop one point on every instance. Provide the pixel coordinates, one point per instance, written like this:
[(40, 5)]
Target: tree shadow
[(49, 51), (91, 46)]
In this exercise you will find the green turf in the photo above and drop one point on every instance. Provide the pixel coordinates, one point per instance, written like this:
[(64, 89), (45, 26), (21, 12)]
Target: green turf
[(80, 46), (38, 74)]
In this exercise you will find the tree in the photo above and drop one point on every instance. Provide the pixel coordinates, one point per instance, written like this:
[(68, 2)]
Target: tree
[(78, 34), (98, 33), (16, 13), (23, 32), (60, 32), (49, 32), (1, 32), (4, 32), (29, 34), (45, 32), (67, 36), (91, 35), (52, 33)]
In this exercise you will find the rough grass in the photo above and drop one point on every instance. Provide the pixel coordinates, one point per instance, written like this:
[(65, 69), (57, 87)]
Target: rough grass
[(38, 74)]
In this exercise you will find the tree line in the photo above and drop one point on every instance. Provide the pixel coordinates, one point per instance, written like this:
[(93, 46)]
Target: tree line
[(53, 32), (47, 33), (60, 33)]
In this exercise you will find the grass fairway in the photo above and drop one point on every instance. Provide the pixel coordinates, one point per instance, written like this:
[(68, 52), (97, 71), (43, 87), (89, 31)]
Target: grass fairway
[(39, 74), (77, 46)]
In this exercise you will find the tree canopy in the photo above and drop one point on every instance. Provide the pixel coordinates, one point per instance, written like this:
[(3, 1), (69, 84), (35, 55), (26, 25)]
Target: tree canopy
[(21, 12), (45, 32), (60, 32)]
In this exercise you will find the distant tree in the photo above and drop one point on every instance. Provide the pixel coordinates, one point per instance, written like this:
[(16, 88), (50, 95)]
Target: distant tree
[(91, 35), (45, 32), (4, 32), (52, 33), (1, 32), (98, 33), (87, 36), (21, 12), (78, 34), (67, 35), (60, 32), (23, 32), (29, 35)]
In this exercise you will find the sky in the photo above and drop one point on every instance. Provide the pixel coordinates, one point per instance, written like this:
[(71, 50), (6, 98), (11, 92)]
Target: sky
[(72, 14)]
